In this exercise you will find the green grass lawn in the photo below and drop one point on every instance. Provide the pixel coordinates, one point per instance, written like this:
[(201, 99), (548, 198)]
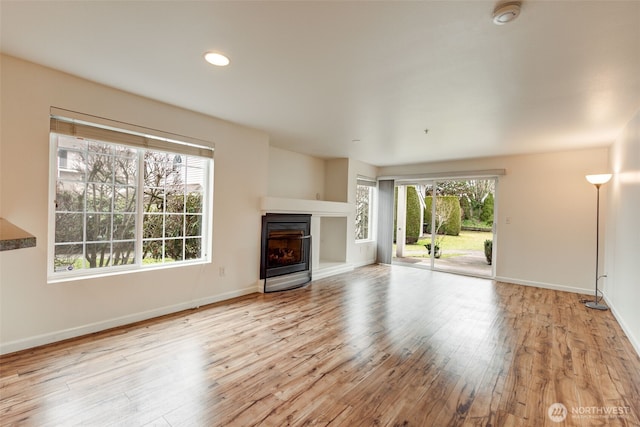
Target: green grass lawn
[(466, 241)]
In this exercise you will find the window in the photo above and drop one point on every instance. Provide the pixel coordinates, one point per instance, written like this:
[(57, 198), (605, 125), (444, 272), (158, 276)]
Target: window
[(364, 208), (120, 205)]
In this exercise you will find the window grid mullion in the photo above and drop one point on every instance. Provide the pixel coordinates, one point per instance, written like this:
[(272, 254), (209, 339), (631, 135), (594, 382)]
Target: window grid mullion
[(139, 236), (85, 183), (112, 207), (164, 217), (184, 216), (184, 209)]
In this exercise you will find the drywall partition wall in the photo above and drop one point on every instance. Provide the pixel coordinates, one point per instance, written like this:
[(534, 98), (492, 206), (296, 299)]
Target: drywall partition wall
[(34, 312), (622, 238), (545, 206), (336, 180), (295, 176)]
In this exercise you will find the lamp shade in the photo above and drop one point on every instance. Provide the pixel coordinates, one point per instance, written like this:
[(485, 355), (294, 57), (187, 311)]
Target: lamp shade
[(599, 179)]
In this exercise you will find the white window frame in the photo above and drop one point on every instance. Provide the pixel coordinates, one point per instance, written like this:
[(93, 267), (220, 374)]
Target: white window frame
[(371, 184), (116, 133)]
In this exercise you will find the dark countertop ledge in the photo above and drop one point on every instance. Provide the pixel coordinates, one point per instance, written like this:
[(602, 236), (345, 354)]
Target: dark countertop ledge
[(13, 237)]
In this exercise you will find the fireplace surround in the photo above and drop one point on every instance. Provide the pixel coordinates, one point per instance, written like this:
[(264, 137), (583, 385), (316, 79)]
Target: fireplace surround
[(285, 251)]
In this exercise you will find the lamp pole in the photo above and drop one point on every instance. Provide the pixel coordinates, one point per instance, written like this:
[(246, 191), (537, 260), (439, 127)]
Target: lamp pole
[(597, 180)]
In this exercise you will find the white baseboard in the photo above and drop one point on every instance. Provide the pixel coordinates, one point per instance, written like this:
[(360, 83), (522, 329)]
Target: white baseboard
[(544, 285), (51, 337), (365, 262), (331, 269), (635, 341)]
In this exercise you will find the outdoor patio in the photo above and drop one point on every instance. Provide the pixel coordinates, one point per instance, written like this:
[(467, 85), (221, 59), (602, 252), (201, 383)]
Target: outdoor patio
[(465, 262)]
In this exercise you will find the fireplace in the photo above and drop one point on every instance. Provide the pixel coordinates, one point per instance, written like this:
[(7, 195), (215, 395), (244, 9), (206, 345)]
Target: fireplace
[(285, 259)]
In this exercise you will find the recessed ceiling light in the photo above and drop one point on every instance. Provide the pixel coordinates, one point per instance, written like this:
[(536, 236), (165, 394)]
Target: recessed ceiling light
[(216, 58), (506, 12)]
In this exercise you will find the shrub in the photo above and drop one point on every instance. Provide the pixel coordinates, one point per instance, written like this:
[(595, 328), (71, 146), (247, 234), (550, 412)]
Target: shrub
[(487, 209), (488, 250), (413, 215), (412, 229), (465, 209), (427, 214)]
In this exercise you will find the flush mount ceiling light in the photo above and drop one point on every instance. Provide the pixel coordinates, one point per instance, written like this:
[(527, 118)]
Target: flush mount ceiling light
[(216, 59), (506, 12)]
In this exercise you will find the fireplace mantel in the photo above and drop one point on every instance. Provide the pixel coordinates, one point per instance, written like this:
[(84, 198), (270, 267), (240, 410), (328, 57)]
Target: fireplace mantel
[(314, 207), (329, 230)]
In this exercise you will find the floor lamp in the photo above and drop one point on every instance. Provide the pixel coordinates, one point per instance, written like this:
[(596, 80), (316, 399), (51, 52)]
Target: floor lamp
[(597, 180)]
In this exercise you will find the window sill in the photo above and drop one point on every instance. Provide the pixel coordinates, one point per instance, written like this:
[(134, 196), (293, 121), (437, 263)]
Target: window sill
[(125, 270)]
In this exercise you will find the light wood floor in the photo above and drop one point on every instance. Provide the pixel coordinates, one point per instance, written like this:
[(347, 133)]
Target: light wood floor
[(384, 345)]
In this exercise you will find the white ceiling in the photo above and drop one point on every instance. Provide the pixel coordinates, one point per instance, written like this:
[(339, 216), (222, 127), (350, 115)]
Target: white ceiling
[(316, 75)]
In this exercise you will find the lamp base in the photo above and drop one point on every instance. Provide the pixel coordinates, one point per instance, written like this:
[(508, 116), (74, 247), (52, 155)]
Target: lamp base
[(596, 305)]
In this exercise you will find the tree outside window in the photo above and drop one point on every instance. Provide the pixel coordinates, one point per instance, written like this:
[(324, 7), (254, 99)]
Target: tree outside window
[(100, 221), (364, 204)]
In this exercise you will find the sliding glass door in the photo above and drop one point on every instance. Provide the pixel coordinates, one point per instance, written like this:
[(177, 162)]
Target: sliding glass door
[(463, 218), (447, 225)]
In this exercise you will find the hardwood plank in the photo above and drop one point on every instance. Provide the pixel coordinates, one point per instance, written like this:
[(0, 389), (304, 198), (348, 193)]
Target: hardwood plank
[(382, 345)]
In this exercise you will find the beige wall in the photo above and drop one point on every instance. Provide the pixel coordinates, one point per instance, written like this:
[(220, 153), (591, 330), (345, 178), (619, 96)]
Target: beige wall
[(35, 312), (336, 180), (295, 176), (622, 249), (550, 238)]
